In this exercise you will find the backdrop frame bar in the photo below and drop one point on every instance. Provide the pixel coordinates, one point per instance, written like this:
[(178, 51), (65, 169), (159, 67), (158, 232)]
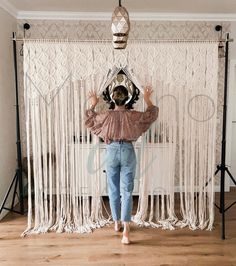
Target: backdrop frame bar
[(130, 40)]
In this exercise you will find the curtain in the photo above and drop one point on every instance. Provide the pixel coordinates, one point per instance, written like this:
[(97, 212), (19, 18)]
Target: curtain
[(176, 155)]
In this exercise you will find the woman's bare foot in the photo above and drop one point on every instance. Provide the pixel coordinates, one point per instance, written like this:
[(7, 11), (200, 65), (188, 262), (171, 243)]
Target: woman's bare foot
[(125, 238), (117, 226)]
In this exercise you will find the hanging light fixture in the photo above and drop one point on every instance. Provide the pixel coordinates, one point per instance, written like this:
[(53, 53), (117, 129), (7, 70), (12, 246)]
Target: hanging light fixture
[(120, 27)]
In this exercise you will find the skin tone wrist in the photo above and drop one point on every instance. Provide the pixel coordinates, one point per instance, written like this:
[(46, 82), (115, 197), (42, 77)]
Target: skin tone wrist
[(148, 102), (92, 106)]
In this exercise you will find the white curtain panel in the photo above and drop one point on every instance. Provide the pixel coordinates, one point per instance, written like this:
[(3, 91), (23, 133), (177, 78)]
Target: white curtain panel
[(176, 156)]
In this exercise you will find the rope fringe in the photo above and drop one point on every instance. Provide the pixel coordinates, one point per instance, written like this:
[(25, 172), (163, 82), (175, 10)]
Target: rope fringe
[(177, 154)]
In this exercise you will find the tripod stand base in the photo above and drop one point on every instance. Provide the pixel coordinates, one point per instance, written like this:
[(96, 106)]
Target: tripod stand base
[(15, 181), (223, 169)]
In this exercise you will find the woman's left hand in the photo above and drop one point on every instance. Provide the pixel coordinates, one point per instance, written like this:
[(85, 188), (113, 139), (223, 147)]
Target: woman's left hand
[(147, 92), (94, 99)]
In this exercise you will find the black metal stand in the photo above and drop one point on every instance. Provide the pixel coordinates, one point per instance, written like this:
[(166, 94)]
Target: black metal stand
[(222, 168), (17, 179)]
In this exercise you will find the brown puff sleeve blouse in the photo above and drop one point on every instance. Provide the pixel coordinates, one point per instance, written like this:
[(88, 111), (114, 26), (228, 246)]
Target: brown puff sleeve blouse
[(120, 123)]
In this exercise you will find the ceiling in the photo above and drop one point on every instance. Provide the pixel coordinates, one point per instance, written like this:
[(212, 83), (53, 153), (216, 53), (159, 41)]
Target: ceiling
[(183, 6), (214, 10)]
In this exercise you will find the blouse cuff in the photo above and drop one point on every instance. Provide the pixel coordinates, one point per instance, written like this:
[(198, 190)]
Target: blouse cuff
[(90, 112), (152, 107)]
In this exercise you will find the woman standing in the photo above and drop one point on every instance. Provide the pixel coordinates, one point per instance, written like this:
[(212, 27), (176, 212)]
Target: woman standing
[(119, 128)]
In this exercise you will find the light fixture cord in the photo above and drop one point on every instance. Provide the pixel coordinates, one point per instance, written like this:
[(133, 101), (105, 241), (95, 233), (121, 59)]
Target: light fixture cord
[(119, 2)]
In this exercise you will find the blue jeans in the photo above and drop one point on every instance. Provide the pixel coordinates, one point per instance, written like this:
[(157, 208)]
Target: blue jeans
[(120, 169)]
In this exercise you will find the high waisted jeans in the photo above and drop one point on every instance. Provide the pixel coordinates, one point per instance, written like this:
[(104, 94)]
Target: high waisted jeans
[(120, 169)]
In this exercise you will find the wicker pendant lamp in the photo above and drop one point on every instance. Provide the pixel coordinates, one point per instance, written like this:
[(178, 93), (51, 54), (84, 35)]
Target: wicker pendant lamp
[(120, 27)]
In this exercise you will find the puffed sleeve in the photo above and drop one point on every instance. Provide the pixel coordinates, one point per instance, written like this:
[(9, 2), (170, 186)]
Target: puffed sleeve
[(146, 118), (94, 121)]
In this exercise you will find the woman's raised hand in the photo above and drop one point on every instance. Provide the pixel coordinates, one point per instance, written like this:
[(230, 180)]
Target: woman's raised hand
[(147, 93), (93, 97)]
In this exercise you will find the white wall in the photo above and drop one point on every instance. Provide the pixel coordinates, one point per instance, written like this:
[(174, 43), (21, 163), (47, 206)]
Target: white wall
[(233, 44), (7, 101), (231, 122)]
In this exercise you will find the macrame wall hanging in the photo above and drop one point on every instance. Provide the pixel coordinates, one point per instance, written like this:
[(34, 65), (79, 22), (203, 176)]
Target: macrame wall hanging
[(177, 154)]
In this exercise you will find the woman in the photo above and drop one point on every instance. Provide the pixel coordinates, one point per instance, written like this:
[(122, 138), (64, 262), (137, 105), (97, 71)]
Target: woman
[(118, 128)]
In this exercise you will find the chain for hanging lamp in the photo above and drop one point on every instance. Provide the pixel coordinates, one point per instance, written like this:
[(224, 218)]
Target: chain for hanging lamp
[(120, 27)]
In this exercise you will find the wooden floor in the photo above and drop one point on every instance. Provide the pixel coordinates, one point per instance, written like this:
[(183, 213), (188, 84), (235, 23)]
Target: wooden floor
[(103, 247)]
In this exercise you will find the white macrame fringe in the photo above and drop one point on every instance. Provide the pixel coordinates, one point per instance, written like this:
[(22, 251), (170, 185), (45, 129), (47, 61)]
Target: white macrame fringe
[(69, 228), (177, 153)]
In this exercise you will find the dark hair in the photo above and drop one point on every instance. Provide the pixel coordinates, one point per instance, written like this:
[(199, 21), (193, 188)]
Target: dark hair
[(120, 96)]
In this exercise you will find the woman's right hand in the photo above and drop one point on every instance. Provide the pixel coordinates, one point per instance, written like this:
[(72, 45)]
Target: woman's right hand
[(147, 94)]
